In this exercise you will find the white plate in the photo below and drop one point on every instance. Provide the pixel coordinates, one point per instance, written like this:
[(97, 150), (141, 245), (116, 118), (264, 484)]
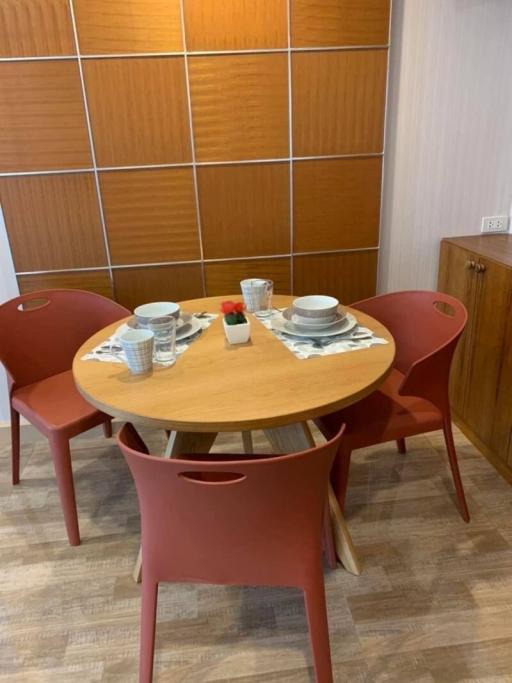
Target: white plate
[(190, 326), (280, 324), (288, 313)]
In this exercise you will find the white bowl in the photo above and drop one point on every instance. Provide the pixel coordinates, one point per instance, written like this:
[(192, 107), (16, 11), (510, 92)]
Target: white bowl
[(313, 322), (144, 313), (316, 306)]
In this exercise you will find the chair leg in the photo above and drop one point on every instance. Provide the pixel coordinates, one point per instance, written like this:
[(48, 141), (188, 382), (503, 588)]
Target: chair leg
[(107, 429), (328, 538), (147, 630), (457, 481), (339, 475), (314, 595), (61, 455), (15, 445), (402, 448)]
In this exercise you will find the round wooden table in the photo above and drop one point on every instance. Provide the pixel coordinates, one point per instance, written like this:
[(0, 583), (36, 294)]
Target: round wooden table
[(215, 387)]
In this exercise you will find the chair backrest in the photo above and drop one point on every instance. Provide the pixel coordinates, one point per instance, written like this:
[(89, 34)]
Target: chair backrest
[(426, 327), (40, 332), (227, 519)]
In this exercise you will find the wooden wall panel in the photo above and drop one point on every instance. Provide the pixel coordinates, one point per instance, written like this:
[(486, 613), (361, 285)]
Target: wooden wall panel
[(224, 277), (53, 221), (122, 26), (245, 209), (135, 286), (336, 203), (91, 280), (322, 23), (134, 117), (338, 102), (236, 24), (35, 28), (42, 119), (150, 215), (214, 191), (349, 276), (240, 106)]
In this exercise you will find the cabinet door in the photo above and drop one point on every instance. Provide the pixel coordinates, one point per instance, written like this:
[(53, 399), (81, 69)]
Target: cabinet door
[(502, 428), (457, 278), (491, 311)]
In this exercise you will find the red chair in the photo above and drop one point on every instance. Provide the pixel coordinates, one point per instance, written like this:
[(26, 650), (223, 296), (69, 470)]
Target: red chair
[(413, 399), (41, 333), (217, 519)]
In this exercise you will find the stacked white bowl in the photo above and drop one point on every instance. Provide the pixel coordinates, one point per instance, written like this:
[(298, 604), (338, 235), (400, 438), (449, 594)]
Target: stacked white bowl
[(144, 313), (315, 310)]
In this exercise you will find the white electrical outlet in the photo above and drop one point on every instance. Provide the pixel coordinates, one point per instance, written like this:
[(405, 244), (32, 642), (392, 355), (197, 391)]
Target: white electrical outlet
[(495, 224)]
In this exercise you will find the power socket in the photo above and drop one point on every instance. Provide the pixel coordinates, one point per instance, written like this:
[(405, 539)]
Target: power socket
[(495, 224)]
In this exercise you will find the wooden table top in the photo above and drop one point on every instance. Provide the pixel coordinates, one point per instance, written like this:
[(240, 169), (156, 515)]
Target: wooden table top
[(216, 387)]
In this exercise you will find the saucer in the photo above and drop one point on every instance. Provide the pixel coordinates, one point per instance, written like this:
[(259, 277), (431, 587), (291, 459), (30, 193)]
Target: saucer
[(281, 324), (186, 326)]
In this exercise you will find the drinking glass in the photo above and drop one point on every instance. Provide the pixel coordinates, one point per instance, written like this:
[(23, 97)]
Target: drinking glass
[(164, 329), (257, 294)]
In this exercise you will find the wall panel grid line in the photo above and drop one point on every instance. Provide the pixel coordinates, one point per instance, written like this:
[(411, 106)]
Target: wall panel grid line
[(197, 53), (199, 261), (238, 162), (384, 147), (192, 145), (290, 127), (91, 140), (265, 162)]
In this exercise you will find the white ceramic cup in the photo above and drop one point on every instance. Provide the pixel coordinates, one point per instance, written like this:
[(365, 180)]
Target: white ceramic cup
[(257, 295), (138, 349)]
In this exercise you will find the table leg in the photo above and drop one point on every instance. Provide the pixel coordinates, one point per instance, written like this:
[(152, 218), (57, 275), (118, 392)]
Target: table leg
[(291, 438), (248, 444), (189, 442), (178, 443), (298, 437)]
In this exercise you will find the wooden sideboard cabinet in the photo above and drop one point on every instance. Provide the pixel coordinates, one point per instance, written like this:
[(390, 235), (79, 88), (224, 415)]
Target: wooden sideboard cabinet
[(478, 271)]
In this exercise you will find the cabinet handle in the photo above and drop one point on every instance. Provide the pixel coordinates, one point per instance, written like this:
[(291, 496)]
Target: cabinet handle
[(480, 268), (470, 265)]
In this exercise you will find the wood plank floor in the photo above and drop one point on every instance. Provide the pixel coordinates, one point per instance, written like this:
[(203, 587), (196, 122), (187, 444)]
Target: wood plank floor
[(434, 602)]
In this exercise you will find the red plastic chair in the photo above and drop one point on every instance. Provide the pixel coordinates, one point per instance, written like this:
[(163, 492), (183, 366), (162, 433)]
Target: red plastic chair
[(414, 398), (41, 333), (218, 519)]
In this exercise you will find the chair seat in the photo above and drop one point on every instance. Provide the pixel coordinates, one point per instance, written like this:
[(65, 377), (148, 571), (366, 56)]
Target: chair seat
[(384, 415), (54, 404)]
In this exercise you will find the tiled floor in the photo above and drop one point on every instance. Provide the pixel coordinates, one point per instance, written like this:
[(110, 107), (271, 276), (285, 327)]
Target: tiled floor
[(434, 602)]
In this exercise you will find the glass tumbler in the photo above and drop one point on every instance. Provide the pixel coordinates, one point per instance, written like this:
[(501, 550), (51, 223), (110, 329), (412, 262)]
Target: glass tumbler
[(257, 294), (164, 329)]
